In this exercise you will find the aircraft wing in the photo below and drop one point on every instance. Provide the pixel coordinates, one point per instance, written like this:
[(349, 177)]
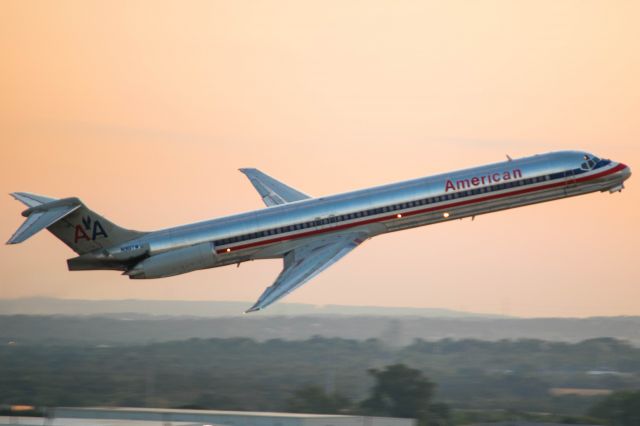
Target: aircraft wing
[(272, 191), (304, 263)]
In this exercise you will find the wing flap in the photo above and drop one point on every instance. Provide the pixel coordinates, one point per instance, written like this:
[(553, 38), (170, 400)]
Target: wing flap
[(272, 191), (304, 263)]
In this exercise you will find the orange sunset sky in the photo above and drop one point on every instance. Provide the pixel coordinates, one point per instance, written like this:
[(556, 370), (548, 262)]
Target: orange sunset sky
[(146, 110)]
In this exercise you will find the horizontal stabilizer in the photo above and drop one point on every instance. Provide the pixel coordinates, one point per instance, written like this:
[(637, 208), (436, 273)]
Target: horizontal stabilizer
[(272, 191), (40, 217), (31, 200)]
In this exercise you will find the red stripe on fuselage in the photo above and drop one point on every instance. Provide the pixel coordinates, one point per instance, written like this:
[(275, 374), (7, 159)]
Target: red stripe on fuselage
[(565, 182)]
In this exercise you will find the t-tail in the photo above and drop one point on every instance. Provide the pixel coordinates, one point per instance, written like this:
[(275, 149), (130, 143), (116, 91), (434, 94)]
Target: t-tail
[(83, 230)]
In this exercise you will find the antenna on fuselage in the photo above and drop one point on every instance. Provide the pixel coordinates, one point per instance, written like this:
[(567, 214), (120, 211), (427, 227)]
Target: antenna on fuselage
[(509, 158)]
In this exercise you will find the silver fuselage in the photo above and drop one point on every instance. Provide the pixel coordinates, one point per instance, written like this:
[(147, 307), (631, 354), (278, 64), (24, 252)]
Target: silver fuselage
[(273, 231)]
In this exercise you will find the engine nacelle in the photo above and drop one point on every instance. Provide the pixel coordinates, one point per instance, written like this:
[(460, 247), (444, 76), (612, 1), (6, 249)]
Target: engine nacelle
[(175, 262)]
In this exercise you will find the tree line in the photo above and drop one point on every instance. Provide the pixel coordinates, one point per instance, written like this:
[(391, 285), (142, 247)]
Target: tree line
[(278, 375)]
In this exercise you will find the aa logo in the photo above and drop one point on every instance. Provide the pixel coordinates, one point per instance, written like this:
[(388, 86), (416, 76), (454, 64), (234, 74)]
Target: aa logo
[(89, 227)]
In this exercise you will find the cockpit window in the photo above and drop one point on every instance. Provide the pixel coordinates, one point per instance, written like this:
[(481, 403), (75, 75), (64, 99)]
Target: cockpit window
[(590, 162)]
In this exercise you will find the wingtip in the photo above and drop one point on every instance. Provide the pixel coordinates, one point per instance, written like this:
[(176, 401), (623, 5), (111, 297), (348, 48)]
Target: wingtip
[(14, 240), (252, 309)]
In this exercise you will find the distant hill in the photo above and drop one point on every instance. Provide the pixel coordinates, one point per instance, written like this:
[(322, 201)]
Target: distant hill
[(393, 331), (38, 320), (51, 306)]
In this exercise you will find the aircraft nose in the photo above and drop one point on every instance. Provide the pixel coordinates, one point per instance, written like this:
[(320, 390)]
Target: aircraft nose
[(626, 171)]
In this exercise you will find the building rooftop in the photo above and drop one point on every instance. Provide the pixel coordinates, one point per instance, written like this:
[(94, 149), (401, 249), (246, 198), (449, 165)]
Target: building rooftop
[(39, 421), (207, 412)]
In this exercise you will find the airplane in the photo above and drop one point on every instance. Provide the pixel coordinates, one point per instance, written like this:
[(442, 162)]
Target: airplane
[(311, 234)]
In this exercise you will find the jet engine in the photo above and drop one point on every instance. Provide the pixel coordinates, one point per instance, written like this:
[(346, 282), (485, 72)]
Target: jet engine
[(175, 262)]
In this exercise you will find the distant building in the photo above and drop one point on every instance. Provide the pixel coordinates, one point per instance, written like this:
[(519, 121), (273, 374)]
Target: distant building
[(604, 372), (225, 418), (579, 392)]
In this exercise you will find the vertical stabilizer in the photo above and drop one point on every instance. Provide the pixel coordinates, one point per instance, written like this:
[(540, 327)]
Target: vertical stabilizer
[(71, 221)]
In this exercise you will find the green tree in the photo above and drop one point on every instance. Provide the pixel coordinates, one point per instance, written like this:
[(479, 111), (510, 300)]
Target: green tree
[(401, 391), (619, 409), (313, 399)]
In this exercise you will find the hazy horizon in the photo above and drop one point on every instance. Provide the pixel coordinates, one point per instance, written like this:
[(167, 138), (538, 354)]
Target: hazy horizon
[(73, 306)]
